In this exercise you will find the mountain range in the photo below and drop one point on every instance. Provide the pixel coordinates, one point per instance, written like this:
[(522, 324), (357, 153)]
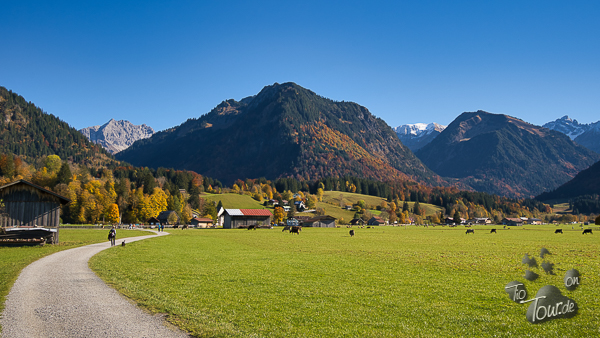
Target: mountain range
[(283, 131), (116, 136), (588, 135), (417, 135), (504, 155)]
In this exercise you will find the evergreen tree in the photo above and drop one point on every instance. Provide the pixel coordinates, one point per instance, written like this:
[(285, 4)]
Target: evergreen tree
[(456, 217), (64, 175)]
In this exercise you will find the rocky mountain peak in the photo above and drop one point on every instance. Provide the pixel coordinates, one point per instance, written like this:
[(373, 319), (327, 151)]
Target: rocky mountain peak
[(417, 135), (116, 136)]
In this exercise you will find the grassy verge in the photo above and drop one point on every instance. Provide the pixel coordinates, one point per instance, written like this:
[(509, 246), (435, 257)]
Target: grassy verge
[(384, 282), (14, 259)]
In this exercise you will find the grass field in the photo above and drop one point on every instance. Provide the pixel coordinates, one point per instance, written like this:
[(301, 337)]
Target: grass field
[(384, 282), (234, 201), (14, 259)]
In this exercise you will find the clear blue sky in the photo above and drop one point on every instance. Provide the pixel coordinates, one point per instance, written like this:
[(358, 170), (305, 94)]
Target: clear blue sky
[(162, 62)]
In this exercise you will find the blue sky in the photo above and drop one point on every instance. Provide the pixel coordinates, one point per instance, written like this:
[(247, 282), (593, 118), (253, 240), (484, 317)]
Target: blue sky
[(162, 62)]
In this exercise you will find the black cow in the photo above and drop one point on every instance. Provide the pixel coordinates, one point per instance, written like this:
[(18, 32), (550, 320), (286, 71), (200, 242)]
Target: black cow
[(493, 231), (587, 231), (185, 226), (252, 227), (351, 233), (286, 228), (558, 231), (470, 231), (296, 230)]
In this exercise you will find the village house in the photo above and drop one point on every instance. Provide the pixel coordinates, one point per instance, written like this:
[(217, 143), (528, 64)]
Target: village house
[(153, 221), (201, 222), (375, 220), (324, 221), (243, 218), (163, 217), (512, 221)]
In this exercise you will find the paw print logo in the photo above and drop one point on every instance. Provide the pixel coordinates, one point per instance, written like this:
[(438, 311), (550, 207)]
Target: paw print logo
[(549, 302)]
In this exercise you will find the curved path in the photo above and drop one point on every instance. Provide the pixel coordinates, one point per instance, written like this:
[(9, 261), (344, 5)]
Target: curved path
[(59, 296)]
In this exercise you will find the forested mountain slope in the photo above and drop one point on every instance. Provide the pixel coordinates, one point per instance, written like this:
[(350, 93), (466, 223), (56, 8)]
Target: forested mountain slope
[(284, 131), (503, 155), (29, 132)]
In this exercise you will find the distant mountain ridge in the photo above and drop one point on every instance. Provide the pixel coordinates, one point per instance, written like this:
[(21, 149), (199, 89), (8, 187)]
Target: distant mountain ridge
[(284, 131), (504, 155), (116, 136), (416, 136), (587, 182), (588, 135)]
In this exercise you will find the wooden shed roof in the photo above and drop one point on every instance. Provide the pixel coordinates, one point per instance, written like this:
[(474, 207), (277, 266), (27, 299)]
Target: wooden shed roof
[(6, 188)]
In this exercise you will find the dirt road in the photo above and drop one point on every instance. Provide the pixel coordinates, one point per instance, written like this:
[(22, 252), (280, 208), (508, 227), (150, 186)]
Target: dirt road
[(59, 296)]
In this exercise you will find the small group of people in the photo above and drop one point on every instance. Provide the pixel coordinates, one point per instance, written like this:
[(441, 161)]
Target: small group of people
[(161, 227)]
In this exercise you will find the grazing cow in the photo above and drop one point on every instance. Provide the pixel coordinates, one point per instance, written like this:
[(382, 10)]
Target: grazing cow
[(470, 231), (493, 231), (587, 231), (252, 227), (184, 226), (286, 228), (351, 233), (558, 231), (295, 229)]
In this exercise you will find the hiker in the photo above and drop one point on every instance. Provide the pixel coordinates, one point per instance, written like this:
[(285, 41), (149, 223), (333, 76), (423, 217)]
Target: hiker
[(112, 235)]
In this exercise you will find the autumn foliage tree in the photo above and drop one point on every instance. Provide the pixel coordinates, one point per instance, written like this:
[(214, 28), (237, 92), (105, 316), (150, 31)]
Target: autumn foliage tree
[(278, 215)]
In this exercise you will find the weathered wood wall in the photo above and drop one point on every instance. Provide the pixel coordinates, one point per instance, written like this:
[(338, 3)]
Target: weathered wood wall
[(27, 206)]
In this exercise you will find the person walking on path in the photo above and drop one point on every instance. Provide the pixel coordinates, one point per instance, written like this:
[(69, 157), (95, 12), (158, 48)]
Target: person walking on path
[(112, 236)]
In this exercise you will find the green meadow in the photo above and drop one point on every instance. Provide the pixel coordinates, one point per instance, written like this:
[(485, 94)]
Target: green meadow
[(14, 259), (383, 282)]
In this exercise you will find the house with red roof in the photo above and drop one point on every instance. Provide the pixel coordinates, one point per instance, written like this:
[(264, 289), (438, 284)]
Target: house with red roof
[(243, 218)]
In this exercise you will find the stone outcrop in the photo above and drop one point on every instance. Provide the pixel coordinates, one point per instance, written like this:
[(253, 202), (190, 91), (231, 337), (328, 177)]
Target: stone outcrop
[(116, 136)]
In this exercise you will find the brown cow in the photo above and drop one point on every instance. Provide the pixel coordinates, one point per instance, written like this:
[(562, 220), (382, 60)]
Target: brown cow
[(296, 230)]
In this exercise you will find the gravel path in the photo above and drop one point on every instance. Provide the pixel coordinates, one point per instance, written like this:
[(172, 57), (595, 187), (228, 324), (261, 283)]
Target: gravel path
[(59, 296)]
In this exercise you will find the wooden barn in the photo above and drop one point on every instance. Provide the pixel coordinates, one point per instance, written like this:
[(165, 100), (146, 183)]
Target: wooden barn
[(324, 221), (243, 218), (163, 217), (28, 209)]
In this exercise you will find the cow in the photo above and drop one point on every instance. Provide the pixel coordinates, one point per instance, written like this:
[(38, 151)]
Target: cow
[(123, 243), (470, 231), (296, 229), (493, 231), (185, 226), (351, 233), (587, 231), (252, 227), (558, 231), (286, 228)]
